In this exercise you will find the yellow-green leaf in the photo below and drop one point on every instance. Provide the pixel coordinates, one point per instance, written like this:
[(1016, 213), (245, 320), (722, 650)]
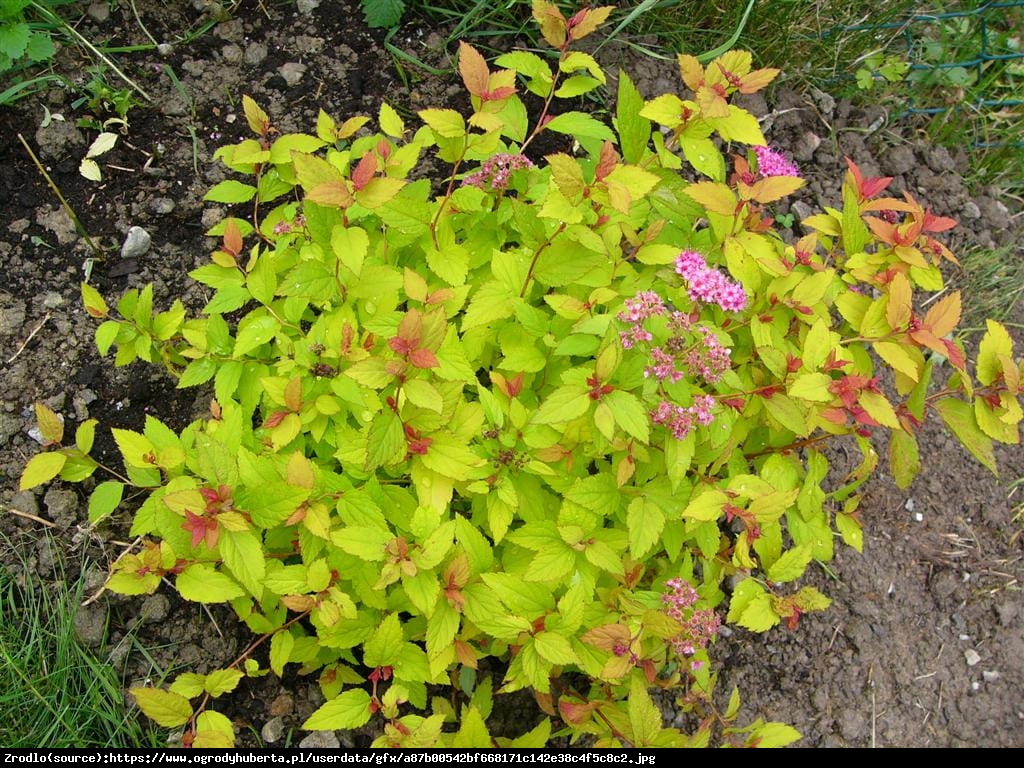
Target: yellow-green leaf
[(163, 707), (350, 709), (40, 469)]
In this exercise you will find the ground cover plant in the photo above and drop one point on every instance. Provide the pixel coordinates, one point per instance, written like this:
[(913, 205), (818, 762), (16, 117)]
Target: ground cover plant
[(606, 459)]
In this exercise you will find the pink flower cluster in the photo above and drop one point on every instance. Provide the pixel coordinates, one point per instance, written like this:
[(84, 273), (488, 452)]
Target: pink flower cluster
[(642, 306), (707, 358), (496, 171), (770, 162), (679, 419), (708, 284), (699, 627)]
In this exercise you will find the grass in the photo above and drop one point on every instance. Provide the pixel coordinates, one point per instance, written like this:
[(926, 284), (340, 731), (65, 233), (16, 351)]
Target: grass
[(53, 691)]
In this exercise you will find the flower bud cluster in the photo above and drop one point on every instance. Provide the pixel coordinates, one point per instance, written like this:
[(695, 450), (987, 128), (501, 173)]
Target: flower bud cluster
[(679, 420)]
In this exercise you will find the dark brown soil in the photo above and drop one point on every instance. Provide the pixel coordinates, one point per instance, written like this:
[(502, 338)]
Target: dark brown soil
[(924, 644)]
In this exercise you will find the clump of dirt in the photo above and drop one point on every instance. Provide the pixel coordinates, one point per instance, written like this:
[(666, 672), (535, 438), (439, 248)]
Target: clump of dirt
[(923, 645)]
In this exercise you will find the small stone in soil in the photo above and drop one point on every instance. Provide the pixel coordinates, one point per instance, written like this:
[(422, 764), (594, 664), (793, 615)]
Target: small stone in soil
[(136, 243), (972, 657)]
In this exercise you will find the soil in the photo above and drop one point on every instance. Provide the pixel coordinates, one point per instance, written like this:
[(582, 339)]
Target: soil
[(924, 643)]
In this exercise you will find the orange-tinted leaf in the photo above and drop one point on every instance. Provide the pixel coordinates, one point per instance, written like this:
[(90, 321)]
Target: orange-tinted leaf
[(331, 193), (423, 358), (775, 188), (232, 237), (588, 20), (716, 198), (608, 636), (552, 22), (758, 79), (473, 68), (898, 306), (691, 71), (944, 315)]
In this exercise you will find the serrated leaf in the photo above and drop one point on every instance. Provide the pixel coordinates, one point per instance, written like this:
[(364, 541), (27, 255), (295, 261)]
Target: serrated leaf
[(255, 116), (253, 330), (382, 14), (350, 709), (706, 505), (136, 449), (104, 500), (200, 583), (811, 386), (242, 553), (230, 191), (629, 414), (562, 405), (222, 681), (281, 645), (645, 521), (772, 735), (163, 707), (554, 648), (579, 124), (791, 565), (644, 715), (40, 469), (959, 417)]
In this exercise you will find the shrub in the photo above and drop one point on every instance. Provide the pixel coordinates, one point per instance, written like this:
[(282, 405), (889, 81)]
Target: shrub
[(554, 416)]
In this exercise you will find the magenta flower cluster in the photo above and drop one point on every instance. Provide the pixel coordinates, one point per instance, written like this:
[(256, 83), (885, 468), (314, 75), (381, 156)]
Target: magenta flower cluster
[(706, 357), (708, 284), (642, 306), (770, 162), (699, 626), (679, 420), (497, 171)]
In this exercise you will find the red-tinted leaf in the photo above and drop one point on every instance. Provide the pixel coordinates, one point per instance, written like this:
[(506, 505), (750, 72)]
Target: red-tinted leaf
[(609, 159), (423, 358), (232, 237), (363, 172)]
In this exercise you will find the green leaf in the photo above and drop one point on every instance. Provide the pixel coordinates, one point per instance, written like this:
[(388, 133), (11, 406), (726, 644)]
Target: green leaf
[(380, 14), (350, 709), (811, 386), (14, 38), (791, 565), (634, 130), (271, 503), (104, 500), (644, 715), (281, 645), (629, 414), (562, 405), (41, 468), (645, 521), (222, 681), (163, 707), (450, 457), (473, 733), (959, 417), (706, 505), (253, 330), (242, 553), (579, 124), (773, 735), (554, 648), (230, 191), (364, 542), (200, 583), (136, 449), (385, 441), (385, 645)]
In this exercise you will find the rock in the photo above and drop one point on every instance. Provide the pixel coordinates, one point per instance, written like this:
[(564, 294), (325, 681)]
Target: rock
[(272, 730), (56, 220), (255, 53), (283, 704), (972, 657), (801, 210), (25, 501), (939, 160), (12, 315), (165, 49), (136, 243), (154, 609), (52, 300), (98, 11), (1007, 612), (898, 160), (162, 205), (91, 624), (306, 6), (320, 740), (804, 149), (291, 72), (232, 53), (59, 140), (990, 675), (61, 506), (971, 210)]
